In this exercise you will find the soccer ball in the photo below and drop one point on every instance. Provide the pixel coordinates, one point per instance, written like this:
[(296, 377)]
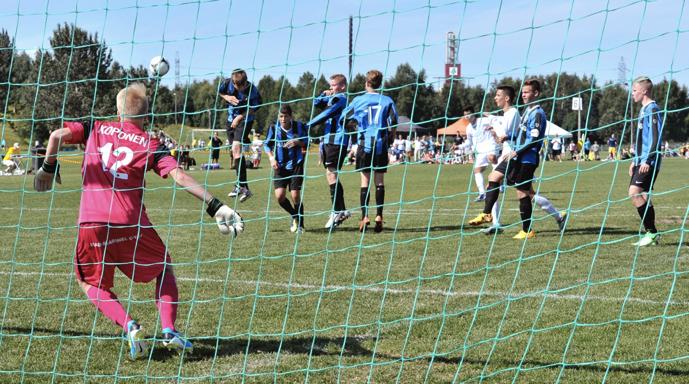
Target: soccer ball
[(159, 66)]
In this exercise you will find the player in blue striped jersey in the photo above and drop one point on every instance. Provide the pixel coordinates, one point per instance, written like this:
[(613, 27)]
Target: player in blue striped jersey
[(334, 143), (284, 144), (646, 162), (376, 118), (244, 100)]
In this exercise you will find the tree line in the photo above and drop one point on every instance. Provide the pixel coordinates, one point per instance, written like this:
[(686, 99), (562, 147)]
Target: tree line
[(78, 79)]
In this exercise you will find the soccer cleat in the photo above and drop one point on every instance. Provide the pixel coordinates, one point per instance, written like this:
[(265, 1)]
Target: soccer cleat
[(379, 225), (235, 192), (138, 347), (244, 194), (493, 229), (363, 223), (300, 230), (482, 218), (341, 217), (524, 235), (332, 221), (173, 340), (562, 221), (648, 239), (295, 226), (480, 198)]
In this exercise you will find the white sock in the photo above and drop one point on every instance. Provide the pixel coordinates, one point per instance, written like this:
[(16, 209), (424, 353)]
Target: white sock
[(478, 177), (496, 213), (547, 206)]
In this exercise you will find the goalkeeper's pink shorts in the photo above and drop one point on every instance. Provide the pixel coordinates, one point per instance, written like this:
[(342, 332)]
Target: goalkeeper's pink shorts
[(137, 252)]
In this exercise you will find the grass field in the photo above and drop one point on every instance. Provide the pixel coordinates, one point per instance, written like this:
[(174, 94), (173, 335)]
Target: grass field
[(426, 300)]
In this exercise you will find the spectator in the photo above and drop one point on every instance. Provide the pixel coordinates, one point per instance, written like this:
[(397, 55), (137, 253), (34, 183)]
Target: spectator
[(216, 143), (595, 148), (556, 144)]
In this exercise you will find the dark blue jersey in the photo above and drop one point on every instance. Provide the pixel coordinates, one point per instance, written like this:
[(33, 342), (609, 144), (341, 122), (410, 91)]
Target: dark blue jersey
[(375, 114), (249, 99), (648, 135), (287, 158), (334, 132), (529, 139), (612, 142)]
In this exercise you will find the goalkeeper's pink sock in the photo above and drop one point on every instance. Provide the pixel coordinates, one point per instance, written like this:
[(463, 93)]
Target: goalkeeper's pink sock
[(167, 298), (108, 305)]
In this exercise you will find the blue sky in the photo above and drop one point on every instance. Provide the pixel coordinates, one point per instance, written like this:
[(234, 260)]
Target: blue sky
[(496, 38)]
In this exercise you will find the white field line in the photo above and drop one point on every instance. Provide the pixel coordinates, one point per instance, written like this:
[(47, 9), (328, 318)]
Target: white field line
[(394, 291)]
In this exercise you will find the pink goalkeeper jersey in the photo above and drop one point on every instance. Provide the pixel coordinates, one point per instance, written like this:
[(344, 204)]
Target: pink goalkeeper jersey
[(117, 156)]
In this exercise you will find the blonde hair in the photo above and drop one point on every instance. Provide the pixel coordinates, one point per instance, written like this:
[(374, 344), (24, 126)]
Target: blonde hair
[(645, 82), (132, 102)]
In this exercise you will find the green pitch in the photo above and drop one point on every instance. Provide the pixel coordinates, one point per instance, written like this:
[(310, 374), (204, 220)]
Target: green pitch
[(426, 300)]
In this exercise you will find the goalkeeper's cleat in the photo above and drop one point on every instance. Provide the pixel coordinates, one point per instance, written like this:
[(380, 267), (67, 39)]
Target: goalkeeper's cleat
[(524, 235), (244, 194), (648, 239), (495, 228), (235, 192), (175, 341), (562, 221), (480, 198), (138, 347), (482, 218)]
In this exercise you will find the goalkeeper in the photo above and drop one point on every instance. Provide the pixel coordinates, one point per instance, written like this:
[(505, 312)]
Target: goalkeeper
[(114, 229)]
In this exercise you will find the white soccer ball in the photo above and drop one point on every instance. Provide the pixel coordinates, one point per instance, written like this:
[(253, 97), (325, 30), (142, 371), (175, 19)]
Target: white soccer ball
[(159, 66)]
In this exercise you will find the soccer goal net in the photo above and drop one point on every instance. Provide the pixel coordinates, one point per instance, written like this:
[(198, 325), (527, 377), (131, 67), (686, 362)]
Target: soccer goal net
[(406, 255)]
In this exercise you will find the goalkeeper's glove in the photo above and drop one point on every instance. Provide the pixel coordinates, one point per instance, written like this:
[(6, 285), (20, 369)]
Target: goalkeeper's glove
[(43, 181), (228, 220)]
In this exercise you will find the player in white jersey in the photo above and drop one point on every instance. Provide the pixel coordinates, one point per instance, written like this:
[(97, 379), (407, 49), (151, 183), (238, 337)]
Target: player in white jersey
[(481, 140)]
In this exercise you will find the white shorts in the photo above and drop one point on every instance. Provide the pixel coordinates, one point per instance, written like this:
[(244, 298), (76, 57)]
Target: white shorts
[(481, 160), (9, 163)]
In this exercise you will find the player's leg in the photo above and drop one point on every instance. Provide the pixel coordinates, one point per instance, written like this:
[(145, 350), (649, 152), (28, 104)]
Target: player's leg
[(364, 198), (379, 180), (281, 196), (167, 297), (333, 158), (494, 180), (523, 181), (547, 206), (295, 190), (639, 187), (480, 183)]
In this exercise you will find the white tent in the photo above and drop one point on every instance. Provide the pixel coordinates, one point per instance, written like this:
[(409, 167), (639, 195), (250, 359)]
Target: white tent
[(552, 129)]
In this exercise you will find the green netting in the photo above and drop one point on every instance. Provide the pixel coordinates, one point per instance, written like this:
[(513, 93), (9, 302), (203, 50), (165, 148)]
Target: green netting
[(430, 299)]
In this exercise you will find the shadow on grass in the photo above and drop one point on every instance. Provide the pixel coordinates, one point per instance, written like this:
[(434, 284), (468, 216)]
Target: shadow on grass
[(211, 348)]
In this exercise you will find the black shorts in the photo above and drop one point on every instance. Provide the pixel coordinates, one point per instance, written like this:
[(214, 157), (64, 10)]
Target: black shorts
[(646, 180), (215, 154), (292, 178), (241, 133), (519, 175), (557, 152), (333, 155), (367, 162)]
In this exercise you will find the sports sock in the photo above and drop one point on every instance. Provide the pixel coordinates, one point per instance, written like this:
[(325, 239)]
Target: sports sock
[(363, 199), (547, 206), (107, 303), (300, 213), (241, 172), (167, 298), (339, 197), (478, 178), (496, 214), (648, 217), (525, 210), (380, 199), (287, 206), (491, 196), (333, 195)]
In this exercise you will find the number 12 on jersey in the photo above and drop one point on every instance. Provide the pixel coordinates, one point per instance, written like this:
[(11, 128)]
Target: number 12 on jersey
[(106, 151)]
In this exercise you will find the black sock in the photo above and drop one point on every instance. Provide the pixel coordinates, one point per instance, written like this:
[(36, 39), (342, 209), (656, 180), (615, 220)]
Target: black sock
[(525, 209), (241, 171), (333, 196), (287, 206), (380, 199), (648, 217), (492, 195), (363, 199), (339, 197)]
